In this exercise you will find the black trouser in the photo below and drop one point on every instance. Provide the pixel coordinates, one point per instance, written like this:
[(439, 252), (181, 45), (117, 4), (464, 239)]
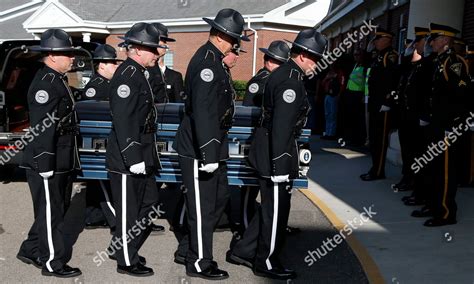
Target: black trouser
[(206, 196), (136, 200), (378, 138), (410, 142), (266, 234), (249, 204), (51, 199), (99, 203), (354, 117)]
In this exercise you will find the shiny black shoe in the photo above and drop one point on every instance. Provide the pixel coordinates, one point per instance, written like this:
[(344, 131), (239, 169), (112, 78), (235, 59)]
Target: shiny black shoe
[(96, 225), (405, 198), (157, 228), (275, 273), (137, 270), (292, 230), (211, 273), (65, 272), (370, 177), (437, 222), (35, 261), (413, 202), (179, 259), (141, 259), (423, 212), (238, 260)]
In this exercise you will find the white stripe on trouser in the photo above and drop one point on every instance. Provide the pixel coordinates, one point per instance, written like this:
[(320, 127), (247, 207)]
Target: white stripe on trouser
[(48, 225), (124, 220), (246, 202), (198, 215), (107, 199), (181, 217), (274, 224)]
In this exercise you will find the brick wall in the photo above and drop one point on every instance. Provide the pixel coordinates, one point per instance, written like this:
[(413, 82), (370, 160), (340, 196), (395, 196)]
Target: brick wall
[(187, 43)]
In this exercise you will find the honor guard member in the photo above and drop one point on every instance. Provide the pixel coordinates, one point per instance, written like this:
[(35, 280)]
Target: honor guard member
[(274, 154), (276, 54), (470, 61), (166, 83), (448, 108), (132, 157), (201, 141), (51, 158), (382, 83), (100, 212)]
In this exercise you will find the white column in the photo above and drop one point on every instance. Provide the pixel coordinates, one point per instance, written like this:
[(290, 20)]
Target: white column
[(86, 37), (442, 12)]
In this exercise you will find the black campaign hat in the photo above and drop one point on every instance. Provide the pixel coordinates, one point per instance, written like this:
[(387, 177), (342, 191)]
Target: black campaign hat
[(278, 50), (142, 34), (105, 52), (163, 32), (54, 40), (380, 32), (229, 22), (442, 30), (311, 41), (421, 33)]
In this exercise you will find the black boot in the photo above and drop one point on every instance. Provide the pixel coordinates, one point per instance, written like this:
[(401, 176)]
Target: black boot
[(65, 272), (137, 270)]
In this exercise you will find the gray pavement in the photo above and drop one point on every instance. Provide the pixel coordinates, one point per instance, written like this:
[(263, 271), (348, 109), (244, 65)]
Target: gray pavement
[(339, 266)]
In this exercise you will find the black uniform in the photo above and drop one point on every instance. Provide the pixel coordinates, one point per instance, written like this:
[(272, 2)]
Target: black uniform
[(274, 152), (52, 148), (202, 139), (131, 141), (448, 108), (255, 88), (383, 81), (167, 87)]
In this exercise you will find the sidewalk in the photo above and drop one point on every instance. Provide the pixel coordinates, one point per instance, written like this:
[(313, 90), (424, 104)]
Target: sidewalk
[(403, 249)]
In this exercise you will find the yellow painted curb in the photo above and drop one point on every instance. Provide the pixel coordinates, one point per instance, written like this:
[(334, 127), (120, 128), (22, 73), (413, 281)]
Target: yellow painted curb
[(368, 264)]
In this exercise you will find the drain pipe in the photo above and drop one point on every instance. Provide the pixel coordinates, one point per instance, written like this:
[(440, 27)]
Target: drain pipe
[(254, 59)]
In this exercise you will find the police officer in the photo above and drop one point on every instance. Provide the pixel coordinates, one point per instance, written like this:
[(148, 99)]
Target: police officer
[(201, 141), (274, 155), (382, 83), (51, 157), (100, 212), (132, 157), (166, 83), (448, 108), (276, 54)]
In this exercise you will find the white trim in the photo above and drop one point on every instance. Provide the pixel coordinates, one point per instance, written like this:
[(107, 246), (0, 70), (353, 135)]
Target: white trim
[(274, 224), (208, 142), (5, 17), (49, 232), (198, 214), (246, 201), (107, 199), (281, 156), (124, 220), (129, 145), (183, 211), (49, 153)]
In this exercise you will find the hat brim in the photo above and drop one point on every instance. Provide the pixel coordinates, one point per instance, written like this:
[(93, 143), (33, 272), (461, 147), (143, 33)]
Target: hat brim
[(215, 25), (106, 59), (309, 50), (272, 55), (167, 39), (38, 48), (143, 43)]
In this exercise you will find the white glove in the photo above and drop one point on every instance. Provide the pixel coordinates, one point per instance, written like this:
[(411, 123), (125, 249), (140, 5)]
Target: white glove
[(424, 123), (384, 108), (138, 168), (209, 168), (304, 172), (279, 179), (46, 175)]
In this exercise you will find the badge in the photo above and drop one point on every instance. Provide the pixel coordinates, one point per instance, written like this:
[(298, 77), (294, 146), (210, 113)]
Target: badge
[(456, 67), (147, 74), (253, 88), (289, 96), (42, 96), (207, 75), (123, 91), (90, 92)]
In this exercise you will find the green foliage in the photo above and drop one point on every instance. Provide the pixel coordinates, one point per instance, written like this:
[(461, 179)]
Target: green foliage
[(239, 86)]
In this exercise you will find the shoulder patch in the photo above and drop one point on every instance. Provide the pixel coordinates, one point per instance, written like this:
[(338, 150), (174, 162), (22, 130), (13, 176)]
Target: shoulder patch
[(289, 96), (123, 91), (41, 96), (456, 68), (90, 92), (253, 88), (207, 75)]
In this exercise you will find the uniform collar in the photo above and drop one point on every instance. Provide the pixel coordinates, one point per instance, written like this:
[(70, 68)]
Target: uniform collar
[(56, 73), (214, 49), (102, 77), (130, 61), (295, 70)]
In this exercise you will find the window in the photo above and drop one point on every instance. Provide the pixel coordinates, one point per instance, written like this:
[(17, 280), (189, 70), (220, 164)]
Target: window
[(168, 59)]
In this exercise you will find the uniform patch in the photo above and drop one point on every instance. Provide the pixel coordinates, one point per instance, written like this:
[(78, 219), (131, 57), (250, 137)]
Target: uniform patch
[(456, 67), (253, 88), (207, 75), (90, 92), (289, 96), (41, 96), (147, 74), (123, 91)]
